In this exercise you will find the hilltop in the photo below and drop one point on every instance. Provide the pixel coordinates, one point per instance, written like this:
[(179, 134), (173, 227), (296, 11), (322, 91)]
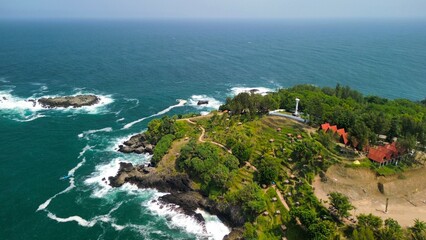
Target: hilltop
[(257, 171)]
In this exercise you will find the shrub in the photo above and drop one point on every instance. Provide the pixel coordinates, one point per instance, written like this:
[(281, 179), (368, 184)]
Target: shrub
[(161, 148)]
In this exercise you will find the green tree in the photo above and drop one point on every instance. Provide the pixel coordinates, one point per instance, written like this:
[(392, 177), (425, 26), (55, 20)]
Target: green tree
[(250, 197), (250, 232), (363, 233), (241, 151), (231, 162), (391, 231), (360, 133), (341, 203), (267, 171), (307, 216), (161, 148), (370, 221), (418, 231), (322, 230)]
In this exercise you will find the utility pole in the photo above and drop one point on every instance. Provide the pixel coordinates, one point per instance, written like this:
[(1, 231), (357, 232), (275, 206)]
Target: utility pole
[(387, 203)]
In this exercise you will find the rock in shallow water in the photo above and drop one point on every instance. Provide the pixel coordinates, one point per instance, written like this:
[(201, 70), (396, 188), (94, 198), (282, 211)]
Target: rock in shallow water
[(69, 101)]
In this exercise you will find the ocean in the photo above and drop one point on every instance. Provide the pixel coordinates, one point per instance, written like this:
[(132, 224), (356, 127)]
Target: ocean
[(145, 69)]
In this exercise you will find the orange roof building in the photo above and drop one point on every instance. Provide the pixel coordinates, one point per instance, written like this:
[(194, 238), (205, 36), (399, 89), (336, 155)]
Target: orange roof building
[(333, 128), (325, 126), (383, 154), (343, 136)]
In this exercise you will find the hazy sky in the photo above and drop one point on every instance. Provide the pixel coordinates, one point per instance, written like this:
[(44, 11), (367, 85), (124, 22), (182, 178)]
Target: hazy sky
[(213, 8)]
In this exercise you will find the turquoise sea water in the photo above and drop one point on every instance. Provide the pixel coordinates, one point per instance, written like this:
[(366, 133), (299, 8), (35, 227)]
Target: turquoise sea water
[(141, 69)]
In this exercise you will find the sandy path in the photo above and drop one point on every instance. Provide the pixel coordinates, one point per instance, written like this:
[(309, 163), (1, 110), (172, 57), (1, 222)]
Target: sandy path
[(201, 137)]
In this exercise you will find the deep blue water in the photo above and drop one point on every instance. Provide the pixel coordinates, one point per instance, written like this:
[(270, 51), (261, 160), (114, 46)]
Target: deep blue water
[(141, 68)]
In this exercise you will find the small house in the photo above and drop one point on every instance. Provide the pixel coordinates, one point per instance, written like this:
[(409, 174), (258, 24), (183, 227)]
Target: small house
[(384, 155)]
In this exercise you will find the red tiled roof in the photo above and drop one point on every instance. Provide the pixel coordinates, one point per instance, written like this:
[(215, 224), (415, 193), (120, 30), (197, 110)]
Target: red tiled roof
[(344, 135), (333, 128), (325, 126), (383, 153)]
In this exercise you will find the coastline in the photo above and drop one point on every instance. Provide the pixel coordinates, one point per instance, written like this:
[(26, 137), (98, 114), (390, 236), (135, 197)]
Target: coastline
[(179, 193)]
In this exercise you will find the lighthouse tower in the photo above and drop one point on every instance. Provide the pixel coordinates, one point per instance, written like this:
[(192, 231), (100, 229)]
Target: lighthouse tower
[(296, 113)]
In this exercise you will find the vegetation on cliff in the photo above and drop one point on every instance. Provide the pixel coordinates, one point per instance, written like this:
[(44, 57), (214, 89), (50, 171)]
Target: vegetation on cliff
[(265, 165), (363, 116)]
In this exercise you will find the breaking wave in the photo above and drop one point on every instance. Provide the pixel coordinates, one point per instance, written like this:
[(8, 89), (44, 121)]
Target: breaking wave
[(212, 228), (28, 109), (86, 133), (180, 104), (212, 102), (259, 90)]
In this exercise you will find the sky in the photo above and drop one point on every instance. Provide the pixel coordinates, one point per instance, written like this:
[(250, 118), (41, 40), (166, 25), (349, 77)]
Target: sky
[(216, 9)]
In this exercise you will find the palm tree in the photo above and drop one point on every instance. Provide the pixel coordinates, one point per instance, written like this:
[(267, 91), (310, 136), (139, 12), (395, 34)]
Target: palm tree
[(418, 231)]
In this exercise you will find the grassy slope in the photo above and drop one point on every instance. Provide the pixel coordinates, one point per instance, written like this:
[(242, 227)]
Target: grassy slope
[(258, 134)]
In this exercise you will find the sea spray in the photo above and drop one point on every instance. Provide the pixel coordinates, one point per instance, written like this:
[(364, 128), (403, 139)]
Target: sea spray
[(26, 109), (213, 104), (257, 90), (180, 104), (83, 222), (88, 132)]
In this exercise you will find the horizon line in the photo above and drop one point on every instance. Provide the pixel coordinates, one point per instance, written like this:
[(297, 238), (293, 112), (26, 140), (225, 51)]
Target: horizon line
[(218, 18)]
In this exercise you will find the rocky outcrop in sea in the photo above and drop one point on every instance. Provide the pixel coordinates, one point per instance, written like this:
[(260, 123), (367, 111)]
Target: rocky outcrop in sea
[(69, 101)]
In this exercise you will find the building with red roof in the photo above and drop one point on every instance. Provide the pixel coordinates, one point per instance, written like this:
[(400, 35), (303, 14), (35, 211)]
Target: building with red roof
[(343, 136), (333, 128), (384, 154), (325, 126)]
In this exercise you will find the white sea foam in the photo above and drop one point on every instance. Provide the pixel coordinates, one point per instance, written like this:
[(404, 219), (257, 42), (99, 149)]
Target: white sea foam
[(115, 143), (71, 173), (78, 219), (11, 102), (26, 108), (88, 132), (260, 90), (121, 119), (177, 218), (213, 103), (180, 104), (30, 118), (215, 228), (97, 108), (83, 222), (99, 179), (3, 80), (84, 150)]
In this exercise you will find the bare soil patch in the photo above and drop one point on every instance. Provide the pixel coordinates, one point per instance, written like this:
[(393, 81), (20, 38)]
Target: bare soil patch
[(407, 196)]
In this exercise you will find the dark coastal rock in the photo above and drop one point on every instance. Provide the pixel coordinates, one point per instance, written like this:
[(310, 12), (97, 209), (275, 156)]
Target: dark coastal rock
[(139, 150), (235, 234), (137, 139), (125, 149), (149, 148), (230, 214), (136, 144), (182, 195), (69, 101), (188, 202), (202, 102), (145, 177)]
